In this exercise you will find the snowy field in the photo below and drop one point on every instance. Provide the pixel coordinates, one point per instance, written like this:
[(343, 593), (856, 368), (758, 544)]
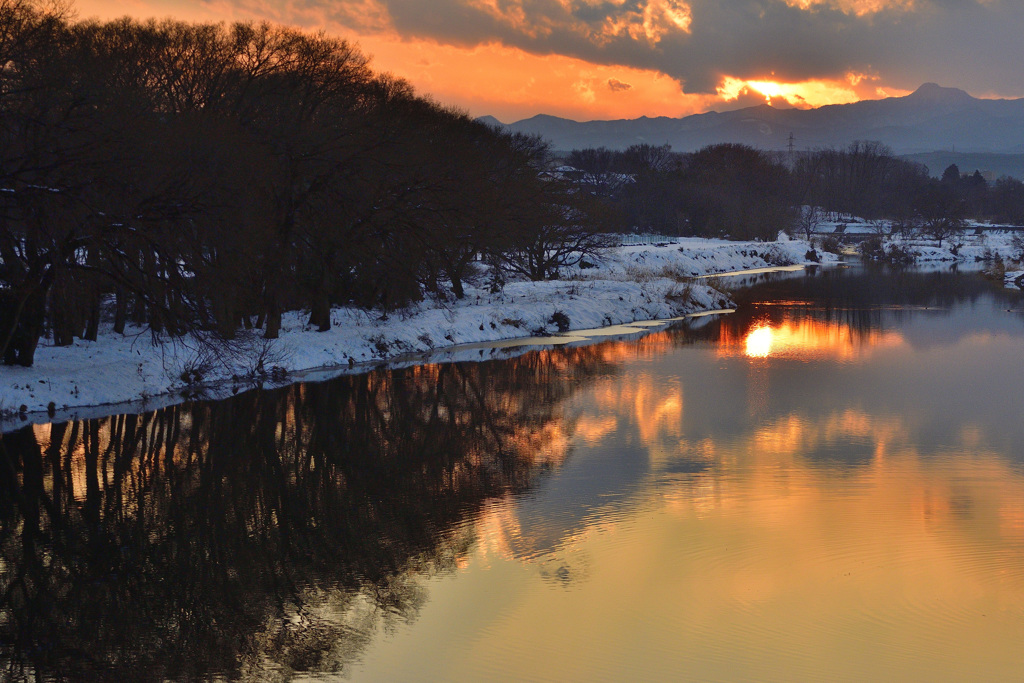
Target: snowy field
[(628, 284)]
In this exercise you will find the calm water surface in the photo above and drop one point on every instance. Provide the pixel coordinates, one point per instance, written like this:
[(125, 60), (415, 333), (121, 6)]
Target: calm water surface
[(826, 485)]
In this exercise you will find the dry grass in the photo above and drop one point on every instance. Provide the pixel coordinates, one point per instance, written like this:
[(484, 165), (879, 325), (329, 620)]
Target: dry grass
[(680, 294)]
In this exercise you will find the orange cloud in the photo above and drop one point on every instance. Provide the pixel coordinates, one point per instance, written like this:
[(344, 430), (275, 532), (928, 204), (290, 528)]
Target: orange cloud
[(651, 22), (512, 84), (510, 14), (857, 7)]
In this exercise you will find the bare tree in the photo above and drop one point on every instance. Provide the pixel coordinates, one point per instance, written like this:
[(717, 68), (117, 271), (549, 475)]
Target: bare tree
[(941, 212), (809, 219)]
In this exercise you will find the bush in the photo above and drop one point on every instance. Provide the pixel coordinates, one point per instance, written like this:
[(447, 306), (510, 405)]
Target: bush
[(900, 255), (996, 271), (380, 344), (1017, 242), (872, 248), (680, 294), (197, 366), (560, 320), (776, 257), (831, 244), (496, 280)]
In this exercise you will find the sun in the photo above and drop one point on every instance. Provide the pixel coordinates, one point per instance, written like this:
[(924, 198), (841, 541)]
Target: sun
[(803, 94), (769, 89), (732, 88)]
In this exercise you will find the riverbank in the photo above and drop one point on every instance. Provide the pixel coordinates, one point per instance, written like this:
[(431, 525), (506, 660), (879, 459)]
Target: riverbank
[(627, 284)]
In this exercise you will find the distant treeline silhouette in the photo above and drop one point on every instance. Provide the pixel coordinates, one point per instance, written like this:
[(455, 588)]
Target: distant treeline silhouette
[(732, 190)]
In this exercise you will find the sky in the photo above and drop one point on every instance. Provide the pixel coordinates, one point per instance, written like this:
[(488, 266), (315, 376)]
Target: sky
[(611, 59)]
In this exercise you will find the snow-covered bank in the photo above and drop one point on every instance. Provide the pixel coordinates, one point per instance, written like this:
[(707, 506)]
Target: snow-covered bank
[(976, 243), (993, 251), (628, 284), (968, 248)]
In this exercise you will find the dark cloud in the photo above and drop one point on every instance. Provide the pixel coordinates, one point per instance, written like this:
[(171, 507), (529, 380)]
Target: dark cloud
[(967, 43), (615, 85)]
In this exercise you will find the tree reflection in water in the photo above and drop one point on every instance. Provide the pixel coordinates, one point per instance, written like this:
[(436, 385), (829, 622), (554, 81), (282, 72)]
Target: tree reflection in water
[(270, 533)]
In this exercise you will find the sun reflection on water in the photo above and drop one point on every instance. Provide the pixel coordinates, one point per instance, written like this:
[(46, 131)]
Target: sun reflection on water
[(806, 339), (759, 342)]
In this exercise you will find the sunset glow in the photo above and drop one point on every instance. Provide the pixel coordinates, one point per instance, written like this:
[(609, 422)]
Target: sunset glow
[(817, 93), (591, 60), (857, 7), (508, 83)]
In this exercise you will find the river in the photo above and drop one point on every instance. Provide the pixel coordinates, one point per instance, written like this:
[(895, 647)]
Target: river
[(827, 484)]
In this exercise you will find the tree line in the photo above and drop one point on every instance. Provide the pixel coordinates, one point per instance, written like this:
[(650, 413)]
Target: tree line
[(733, 190), (211, 177)]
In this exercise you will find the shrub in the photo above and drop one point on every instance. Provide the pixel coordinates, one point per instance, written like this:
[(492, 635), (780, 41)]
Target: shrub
[(261, 357), (640, 274), (380, 344), (899, 255), (996, 269), (776, 257), (680, 294), (196, 368), (1017, 242), (560, 320), (872, 248), (831, 244), (496, 281), (191, 377)]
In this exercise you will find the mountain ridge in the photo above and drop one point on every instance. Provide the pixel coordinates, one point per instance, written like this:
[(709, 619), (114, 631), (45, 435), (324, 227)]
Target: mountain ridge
[(931, 118)]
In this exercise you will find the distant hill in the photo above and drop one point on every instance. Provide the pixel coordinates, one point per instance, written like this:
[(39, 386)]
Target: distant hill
[(931, 118)]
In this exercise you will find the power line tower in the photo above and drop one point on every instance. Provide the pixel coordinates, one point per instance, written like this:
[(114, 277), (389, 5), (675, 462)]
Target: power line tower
[(790, 144)]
